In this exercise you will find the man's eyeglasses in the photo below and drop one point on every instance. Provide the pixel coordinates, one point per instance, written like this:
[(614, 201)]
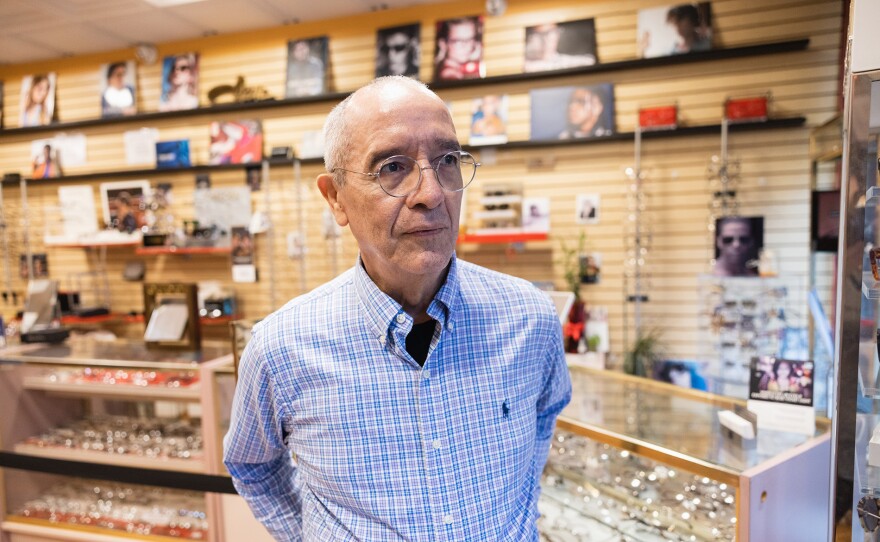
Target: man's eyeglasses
[(400, 176), (729, 239), (398, 47), (181, 68)]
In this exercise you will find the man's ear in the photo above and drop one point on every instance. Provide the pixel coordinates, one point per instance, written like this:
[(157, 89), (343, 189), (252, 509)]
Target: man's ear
[(331, 194)]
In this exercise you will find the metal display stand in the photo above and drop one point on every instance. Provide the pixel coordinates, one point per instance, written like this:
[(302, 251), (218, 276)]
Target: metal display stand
[(638, 244)]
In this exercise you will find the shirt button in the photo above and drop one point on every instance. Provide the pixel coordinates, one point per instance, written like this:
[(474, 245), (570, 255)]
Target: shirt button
[(426, 374), (401, 318), (447, 519), (383, 340), (437, 444), (449, 326)]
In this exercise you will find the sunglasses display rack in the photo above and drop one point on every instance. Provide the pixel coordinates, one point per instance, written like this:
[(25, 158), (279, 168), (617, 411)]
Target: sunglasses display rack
[(501, 209), (743, 318), (723, 173), (638, 244)]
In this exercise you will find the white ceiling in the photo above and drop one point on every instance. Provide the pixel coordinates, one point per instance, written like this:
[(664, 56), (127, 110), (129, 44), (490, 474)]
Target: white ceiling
[(33, 30)]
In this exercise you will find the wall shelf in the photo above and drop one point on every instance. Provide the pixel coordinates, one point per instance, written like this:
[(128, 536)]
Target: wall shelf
[(770, 124), (760, 49), (502, 238), (181, 251)]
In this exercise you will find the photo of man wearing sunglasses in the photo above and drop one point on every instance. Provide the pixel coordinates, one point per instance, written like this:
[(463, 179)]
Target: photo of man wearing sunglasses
[(397, 51), (738, 240)]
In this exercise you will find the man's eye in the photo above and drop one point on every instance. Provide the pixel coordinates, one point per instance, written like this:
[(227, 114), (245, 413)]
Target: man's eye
[(393, 167)]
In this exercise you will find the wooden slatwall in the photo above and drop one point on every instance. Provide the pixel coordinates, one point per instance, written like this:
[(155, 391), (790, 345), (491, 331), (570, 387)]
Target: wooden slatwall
[(775, 163)]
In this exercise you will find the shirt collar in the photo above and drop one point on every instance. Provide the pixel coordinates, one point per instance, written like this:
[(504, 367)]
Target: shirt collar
[(381, 310)]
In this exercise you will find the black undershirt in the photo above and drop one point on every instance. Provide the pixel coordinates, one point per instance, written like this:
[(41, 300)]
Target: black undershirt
[(419, 341)]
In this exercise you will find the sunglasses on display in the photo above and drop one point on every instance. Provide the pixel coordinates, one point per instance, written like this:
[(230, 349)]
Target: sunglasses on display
[(729, 239)]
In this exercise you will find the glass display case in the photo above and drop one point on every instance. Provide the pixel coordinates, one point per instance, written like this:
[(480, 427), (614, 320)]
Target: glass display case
[(85, 422), (635, 459), (856, 451)]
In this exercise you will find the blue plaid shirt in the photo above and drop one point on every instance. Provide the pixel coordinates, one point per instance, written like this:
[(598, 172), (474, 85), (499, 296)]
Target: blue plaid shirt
[(388, 450)]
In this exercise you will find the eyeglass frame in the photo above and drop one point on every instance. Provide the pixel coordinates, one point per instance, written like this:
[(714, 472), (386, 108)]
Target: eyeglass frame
[(421, 169)]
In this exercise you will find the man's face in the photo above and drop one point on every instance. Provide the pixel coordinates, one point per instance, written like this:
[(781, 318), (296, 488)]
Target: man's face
[(301, 51), (734, 241), (412, 235), (117, 78), (580, 106), (461, 41), (398, 45)]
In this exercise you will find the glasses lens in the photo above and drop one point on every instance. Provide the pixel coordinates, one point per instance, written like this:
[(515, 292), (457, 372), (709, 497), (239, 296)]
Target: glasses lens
[(399, 175), (456, 170)]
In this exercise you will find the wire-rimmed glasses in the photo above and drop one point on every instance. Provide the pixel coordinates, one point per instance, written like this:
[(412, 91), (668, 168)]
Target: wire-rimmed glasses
[(400, 176)]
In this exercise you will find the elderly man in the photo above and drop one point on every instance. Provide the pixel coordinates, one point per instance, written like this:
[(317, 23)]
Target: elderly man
[(417, 393)]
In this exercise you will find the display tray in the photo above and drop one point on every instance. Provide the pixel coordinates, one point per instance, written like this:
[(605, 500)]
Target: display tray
[(28, 529), (104, 458), (135, 393), (115, 354), (677, 426)]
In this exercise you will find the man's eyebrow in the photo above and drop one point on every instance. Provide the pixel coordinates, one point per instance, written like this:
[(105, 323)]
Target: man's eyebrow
[(378, 156)]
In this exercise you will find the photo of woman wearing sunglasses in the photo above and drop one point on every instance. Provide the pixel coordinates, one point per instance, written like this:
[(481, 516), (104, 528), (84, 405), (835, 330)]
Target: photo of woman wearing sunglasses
[(180, 82), (738, 240)]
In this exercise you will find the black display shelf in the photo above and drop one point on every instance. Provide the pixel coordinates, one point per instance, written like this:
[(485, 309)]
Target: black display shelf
[(760, 49), (201, 168), (128, 475), (707, 129), (637, 63)]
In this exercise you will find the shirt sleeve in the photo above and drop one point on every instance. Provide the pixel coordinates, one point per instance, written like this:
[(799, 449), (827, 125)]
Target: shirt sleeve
[(255, 454), (554, 396)]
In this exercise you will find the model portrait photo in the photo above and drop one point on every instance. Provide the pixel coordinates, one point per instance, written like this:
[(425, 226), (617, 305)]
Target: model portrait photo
[(458, 53), (180, 82), (557, 46), (236, 142), (587, 209), (37, 100), (489, 120), (118, 95), (123, 205), (675, 29), (398, 51), (536, 215), (572, 112), (738, 241), (307, 67), (45, 160)]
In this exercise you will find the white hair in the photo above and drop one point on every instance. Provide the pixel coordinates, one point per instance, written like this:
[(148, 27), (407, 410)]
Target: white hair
[(337, 137)]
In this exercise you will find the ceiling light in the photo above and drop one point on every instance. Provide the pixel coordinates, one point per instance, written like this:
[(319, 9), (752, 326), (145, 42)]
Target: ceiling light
[(170, 3)]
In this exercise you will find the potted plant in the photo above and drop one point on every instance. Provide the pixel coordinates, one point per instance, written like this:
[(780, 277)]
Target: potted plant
[(640, 358)]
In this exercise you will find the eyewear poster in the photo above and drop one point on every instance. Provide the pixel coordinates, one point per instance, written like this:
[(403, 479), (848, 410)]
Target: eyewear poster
[(557, 46), (458, 51), (118, 94), (180, 82), (398, 51), (738, 241), (489, 120), (572, 112), (675, 29), (307, 67), (236, 142), (37, 99), (780, 380)]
